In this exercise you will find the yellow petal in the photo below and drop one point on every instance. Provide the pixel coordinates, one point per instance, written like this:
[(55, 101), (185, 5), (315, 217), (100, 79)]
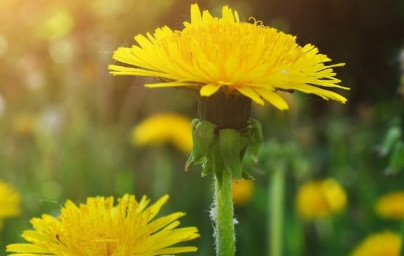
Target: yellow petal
[(167, 84), (164, 221), (236, 17), (209, 89), (155, 208), (272, 98), (195, 14), (29, 248), (143, 41), (250, 93), (175, 250), (227, 15), (206, 16), (325, 94), (119, 70)]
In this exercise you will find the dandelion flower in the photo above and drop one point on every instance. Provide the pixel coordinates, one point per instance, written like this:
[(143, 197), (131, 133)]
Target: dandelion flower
[(391, 205), (98, 228), (242, 191), (226, 55), (164, 128), (9, 202), (317, 199), (382, 244)]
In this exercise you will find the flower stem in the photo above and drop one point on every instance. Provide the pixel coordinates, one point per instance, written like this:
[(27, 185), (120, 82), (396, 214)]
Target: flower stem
[(225, 238), (276, 211)]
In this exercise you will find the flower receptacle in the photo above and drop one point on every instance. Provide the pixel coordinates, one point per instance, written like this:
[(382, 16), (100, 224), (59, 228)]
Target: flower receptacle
[(224, 150)]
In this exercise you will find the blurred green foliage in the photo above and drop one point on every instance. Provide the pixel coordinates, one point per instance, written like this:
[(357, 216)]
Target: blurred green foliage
[(65, 122)]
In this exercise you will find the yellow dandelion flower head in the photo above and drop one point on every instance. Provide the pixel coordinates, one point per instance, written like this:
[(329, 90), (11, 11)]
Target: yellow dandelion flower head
[(226, 54), (381, 244), (391, 205), (317, 199), (164, 128), (242, 191), (98, 228), (9, 202)]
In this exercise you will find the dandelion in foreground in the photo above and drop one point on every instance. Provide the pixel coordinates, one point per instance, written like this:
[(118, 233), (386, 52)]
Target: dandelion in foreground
[(230, 63), (100, 228), (391, 206), (164, 128), (9, 202), (382, 244), (317, 199)]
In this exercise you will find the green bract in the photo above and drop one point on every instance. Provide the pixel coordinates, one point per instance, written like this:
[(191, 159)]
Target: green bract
[(224, 150)]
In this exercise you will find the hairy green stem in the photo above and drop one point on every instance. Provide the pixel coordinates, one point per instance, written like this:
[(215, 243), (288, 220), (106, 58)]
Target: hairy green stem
[(276, 211), (223, 216)]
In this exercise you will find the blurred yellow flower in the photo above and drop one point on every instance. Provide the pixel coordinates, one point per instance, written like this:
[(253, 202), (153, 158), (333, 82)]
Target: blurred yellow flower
[(242, 191), (382, 244), (391, 205), (317, 199), (211, 54), (9, 202), (98, 228), (24, 124), (55, 23), (164, 128)]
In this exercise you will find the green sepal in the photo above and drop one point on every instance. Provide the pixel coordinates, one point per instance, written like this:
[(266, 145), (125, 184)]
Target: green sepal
[(255, 140), (229, 143), (206, 168), (248, 168), (246, 175), (191, 161), (216, 162), (243, 146), (194, 123), (202, 135)]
